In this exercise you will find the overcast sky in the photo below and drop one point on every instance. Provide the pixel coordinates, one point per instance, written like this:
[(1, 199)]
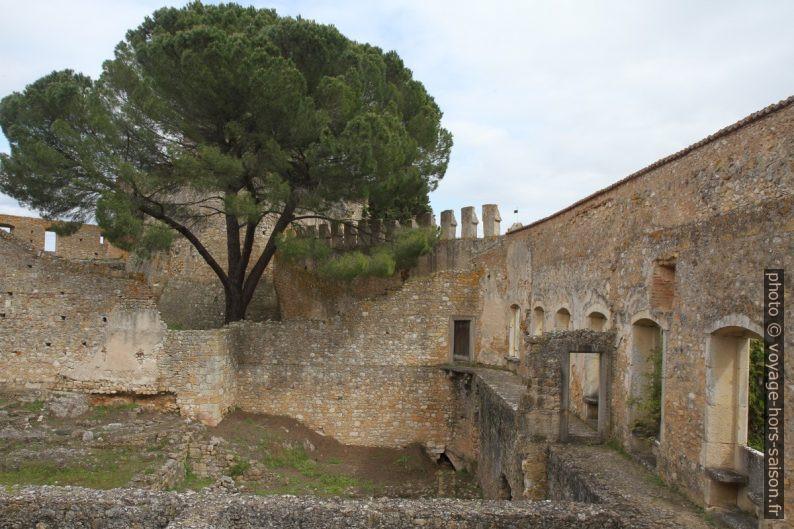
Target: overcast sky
[(548, 101)]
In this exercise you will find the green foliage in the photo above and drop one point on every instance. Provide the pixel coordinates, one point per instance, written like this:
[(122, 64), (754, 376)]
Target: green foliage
[(192, 481), (103, 411), (156, 237), (403, 461), (34, 406), (239, 468), (105, 468), (756, 396), (412, 244), (310, 478), (345, 266), (294, 248), (384, 260), (64, 228), (272, 116), (295, 457), (650, 407)]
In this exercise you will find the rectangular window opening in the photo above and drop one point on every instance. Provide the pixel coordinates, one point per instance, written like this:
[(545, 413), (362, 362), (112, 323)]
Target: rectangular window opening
[(461, 339), (49, 241)]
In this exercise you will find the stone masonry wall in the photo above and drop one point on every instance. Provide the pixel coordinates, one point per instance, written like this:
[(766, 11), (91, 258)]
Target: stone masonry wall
[(86, 244), (72, 325), (714, 216), (366, 377)]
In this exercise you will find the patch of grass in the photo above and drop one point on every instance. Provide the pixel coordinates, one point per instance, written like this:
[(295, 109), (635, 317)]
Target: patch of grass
[(311, 478), (402, 461), (654, 479), (102, 411), (239, 468), (175, 327), (156, 447), (105, 469), (34, 407), (191, 481), (334, 461), (615, 445), (294, 457)]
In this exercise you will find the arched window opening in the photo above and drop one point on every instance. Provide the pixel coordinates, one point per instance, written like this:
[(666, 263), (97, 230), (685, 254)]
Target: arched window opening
[(734, 414), (538, 321), (562, 320), (596, 321)]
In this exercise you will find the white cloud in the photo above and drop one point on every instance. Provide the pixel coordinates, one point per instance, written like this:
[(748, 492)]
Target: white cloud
[(548, 100)]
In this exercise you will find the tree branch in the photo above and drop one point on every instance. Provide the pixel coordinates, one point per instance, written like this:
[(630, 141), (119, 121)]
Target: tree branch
[(200, 248)]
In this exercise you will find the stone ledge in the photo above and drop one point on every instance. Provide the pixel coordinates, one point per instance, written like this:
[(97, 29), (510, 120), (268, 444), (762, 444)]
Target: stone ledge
[(726, 475)]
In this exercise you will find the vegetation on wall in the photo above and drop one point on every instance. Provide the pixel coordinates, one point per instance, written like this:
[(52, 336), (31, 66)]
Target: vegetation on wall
[(650, 407), (756, 397), (382, 260)]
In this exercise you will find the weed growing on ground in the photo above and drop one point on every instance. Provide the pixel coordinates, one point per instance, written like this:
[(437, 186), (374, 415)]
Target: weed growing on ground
[(191, 481), (102, 411), (106, 468)]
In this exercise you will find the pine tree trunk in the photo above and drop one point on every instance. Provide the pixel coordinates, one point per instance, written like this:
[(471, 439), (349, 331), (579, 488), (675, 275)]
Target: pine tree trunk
[(235, 306)]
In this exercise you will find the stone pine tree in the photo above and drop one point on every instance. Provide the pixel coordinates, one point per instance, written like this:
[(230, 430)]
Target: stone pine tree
[(227, 112)]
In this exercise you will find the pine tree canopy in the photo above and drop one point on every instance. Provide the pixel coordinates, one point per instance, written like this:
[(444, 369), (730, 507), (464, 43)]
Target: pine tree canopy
[(228, 112)]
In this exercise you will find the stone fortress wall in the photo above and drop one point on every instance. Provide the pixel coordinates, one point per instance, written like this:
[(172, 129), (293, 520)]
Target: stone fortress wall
[(669, 259)]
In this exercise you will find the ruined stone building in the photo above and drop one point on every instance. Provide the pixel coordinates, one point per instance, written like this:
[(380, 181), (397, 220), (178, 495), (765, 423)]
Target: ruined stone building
[(574, 310)]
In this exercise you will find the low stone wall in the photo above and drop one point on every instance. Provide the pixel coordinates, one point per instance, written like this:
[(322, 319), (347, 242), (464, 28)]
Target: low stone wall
[(56, 507), (567, 483), (61, 507), (486, 432)]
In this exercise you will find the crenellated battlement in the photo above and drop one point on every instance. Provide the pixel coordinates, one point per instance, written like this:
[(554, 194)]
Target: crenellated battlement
[(468, 219), (363, 233), (371, 232)]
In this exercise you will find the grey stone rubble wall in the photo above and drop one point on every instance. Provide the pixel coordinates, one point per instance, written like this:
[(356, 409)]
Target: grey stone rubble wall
[(570, 484), (67, 507), (486, 402)]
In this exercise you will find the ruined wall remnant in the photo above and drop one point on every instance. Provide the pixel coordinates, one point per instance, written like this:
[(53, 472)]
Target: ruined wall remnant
[(72, 325), (86, 244), (488, 433)]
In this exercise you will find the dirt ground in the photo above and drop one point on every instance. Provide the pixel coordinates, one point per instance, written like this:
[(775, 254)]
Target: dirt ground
[(119, 441)]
